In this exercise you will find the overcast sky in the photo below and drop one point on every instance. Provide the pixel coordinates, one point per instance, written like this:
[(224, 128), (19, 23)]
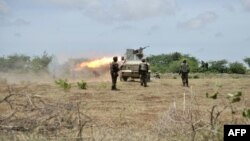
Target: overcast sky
[(206, 29)]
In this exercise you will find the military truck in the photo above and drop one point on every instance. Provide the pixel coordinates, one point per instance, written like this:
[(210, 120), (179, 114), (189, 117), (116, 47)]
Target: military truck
[(130, 65)]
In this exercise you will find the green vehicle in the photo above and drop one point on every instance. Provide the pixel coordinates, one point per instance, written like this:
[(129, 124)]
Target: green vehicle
[(130, 66)]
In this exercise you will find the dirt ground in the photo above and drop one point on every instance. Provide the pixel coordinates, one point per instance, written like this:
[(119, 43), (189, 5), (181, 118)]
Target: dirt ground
[(163, 111)]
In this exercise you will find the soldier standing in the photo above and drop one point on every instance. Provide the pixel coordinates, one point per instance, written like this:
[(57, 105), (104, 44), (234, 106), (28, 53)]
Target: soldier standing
[(114, 68), (184, 70), (143, 71)]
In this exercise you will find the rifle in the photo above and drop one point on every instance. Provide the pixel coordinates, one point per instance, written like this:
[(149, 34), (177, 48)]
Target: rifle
[(142, 48)]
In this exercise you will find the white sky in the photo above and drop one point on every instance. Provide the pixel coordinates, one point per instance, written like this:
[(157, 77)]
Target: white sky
[(206, 29)]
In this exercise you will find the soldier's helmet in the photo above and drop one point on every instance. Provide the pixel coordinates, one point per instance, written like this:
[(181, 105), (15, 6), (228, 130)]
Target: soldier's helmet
[(143, 60), (184, 61), (115, 58)]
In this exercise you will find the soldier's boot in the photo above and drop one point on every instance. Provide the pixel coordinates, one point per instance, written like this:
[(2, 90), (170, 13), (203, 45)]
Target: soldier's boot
[(113, 88)]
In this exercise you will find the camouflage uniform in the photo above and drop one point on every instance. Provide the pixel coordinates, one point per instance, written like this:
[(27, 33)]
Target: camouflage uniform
[(114, 68), (143, 70), (184, 70)]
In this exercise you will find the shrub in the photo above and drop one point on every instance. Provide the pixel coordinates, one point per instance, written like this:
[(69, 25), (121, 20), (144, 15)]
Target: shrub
[(82, 85), (41, 63), (171, 62), (247, 60), (238, 68), (246, 113), (218, 66), (174, 67), (63, 83)]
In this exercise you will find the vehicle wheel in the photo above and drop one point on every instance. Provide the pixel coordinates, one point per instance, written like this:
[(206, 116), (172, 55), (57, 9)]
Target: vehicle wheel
[(125, 78)]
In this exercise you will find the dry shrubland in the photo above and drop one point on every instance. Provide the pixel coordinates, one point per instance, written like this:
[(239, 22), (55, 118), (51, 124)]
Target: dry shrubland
[(39, 110)]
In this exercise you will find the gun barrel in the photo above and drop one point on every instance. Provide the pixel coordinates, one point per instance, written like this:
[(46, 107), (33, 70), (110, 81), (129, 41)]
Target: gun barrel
[(145, 47)]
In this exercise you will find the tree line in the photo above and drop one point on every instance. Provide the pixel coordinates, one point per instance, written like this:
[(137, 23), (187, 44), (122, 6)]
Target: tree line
[(171, 62), (24, 63), (163, 63)]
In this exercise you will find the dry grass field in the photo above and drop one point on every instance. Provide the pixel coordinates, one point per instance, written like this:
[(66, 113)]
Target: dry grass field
[(164, 111)]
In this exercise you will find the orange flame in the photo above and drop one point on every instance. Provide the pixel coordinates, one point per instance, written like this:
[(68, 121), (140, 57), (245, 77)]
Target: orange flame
[(95, 63)]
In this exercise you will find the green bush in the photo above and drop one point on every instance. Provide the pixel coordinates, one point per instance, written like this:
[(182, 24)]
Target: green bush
[(41, 63), (174, 67), (63, 83), (82, 85), (238, 68), (171, 62), (247, 60), (158, 68), (218, 66), (246, 113)]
